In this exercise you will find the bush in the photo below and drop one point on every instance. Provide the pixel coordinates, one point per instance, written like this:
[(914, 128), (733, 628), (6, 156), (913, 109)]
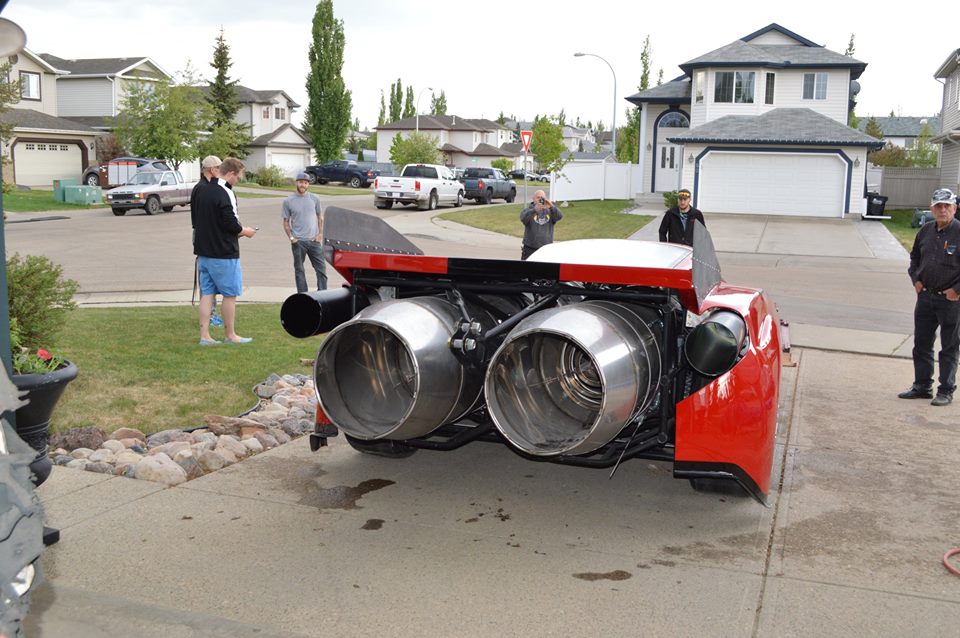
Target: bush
[(670, 199), (503, 164), (268, 176), (40, 298)]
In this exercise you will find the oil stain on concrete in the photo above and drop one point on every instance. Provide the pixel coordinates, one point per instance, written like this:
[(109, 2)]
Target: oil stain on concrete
[(618, 574)]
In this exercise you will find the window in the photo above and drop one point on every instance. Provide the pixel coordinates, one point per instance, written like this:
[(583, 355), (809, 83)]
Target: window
[(674, 119), (29, 85), (31, 147), (768, 91), (64, 147), (41, 147), (701, 80), (266, 112), (734, 86), (815, 86), (279, 113)]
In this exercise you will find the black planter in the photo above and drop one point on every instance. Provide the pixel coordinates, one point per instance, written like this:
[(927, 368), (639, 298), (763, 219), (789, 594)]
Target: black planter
[(33, 419)]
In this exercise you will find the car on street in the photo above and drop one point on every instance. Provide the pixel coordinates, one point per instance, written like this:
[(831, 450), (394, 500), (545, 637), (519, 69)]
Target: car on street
[(527, 175), (343, 171), (486, 184), (153, 191)]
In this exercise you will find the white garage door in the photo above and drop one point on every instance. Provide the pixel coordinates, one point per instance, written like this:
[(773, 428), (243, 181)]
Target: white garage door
[(289, 163), (39, 163), (805, 184)]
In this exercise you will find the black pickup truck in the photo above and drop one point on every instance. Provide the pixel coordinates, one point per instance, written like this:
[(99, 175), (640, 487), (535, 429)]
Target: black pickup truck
[(345, 171), (485, 184)]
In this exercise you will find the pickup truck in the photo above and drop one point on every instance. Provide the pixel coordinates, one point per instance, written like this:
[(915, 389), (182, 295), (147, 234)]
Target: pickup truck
[(153, 191), (344, 171), (485, 184), (423, 185)]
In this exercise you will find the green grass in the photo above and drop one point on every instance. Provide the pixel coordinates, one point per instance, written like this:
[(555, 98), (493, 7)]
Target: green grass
[(142, 367), (38, 201), (899, 226), (249, 195), (314, 188), (581, 220)]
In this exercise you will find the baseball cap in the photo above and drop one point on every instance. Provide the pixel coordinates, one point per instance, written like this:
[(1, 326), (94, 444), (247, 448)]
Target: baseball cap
[(302, 177), (683, 192), (943, 196), (210, 161)]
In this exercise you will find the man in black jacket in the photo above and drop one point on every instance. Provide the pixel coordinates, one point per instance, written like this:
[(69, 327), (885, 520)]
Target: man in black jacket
[(677, 224), (209, 171), (216, 243)]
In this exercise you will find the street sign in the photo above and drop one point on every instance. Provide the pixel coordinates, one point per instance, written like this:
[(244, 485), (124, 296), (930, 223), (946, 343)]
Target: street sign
[(526, 136)]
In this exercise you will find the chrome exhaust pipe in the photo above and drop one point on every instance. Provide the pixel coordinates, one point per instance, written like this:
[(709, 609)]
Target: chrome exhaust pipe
[(569, 379), (390, 373)]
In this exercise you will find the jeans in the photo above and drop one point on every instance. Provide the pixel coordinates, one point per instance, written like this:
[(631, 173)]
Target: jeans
[(313, 249), (934, 310)]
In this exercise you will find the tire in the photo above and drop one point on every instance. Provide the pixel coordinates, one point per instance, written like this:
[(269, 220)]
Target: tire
[(388, 449), (321, 181), (433, 200), (119, 212), (153, 205), (354, 182), (459, 202), (718, 486), (167, 209), (511, 196), (92, 179), (487, 197), (311, 178), (386, 204)]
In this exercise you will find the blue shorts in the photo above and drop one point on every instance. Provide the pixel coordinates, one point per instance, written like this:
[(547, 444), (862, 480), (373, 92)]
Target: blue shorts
[(221, 276)]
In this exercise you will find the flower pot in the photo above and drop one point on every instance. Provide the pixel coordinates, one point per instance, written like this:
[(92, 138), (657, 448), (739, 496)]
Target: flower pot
[(33, 419)]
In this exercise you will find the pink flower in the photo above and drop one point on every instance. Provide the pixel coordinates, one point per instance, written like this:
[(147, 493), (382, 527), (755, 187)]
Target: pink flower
[(43, 354)]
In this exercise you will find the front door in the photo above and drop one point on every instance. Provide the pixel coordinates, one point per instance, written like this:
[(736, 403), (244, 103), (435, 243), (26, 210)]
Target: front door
[(668, 166)]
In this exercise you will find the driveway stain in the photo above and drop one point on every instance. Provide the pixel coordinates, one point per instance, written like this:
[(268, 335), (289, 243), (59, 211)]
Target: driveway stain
[(618, 574), (341, 497), (373, 523)]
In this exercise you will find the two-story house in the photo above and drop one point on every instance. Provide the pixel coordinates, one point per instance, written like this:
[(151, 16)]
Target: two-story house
[(949, 134), (759, 126), (44, 146), (463, 141)]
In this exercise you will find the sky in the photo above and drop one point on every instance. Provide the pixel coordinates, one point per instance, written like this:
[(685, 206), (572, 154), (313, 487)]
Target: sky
[(514, 57)]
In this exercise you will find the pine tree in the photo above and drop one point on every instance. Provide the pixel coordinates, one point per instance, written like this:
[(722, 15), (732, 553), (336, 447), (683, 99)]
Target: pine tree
[(327, 117), (850, 47), (409, 110), (873, 128), (223, 91), (660, 77)]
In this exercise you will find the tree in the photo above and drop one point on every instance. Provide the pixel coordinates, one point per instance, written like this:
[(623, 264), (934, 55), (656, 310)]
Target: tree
[(409, 110), (327, 116), (547, 144), (9, 94), (360, 155), (419, 148), (396, 101), (438, 105), (873, 128), (660, 77), (924, 154), (890, 155), (850, 47), (628, 137), (645, 55), (852, 120), (382, 118), (164, 120), (228, 138), (108, 147), (353, 144), (501, 118), (503, 164)]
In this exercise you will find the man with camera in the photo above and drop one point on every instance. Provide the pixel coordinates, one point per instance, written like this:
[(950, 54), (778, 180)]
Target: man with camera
[(538, 219)]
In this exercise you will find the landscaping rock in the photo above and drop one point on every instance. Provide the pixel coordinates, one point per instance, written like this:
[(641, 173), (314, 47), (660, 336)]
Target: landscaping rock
[(227, 442), (102, 468), (114, 446), (211, 461), (160, 468), (266, 440), (102, 456), (128, 433), (253, 445), (81, 453), (90, 438), (167, 436)]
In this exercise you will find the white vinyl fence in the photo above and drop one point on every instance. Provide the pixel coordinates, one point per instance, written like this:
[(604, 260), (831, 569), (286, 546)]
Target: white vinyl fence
[(596, 180)]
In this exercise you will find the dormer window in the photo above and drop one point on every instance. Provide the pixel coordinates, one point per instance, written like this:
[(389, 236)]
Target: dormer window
[(815, 86), (29, 85), (279, 113), (734, 86)]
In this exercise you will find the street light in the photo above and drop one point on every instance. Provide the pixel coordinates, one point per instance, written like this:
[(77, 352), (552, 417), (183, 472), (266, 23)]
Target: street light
[(422, 91), (614, 138)]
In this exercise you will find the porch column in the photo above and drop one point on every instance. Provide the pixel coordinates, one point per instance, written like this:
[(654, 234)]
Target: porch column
[(642, 152)]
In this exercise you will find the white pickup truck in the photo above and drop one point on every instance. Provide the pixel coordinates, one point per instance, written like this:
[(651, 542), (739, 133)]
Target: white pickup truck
[(153, 191), (422, 185)]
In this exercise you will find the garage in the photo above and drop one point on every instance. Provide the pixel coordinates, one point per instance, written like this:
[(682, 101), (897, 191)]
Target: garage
[(809, 184), (289, 163), (38, 163)]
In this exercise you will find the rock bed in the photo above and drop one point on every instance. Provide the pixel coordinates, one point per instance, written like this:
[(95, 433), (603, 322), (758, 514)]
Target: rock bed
[(286, 410)]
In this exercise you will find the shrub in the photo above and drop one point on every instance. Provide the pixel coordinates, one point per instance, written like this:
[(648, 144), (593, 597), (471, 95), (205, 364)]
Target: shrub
[(503, 164), (269, 176), (40, 298), (670, 199)]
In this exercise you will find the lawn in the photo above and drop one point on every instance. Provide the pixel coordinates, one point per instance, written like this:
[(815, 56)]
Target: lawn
[(142, 367), (899, 226), (581, 220), (35, 201), (314, 188)]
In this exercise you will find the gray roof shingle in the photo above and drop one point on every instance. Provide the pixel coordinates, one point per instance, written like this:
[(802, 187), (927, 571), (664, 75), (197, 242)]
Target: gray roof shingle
[(902, 126), (28, 118), (740, 53), (251, 96), (798, 126), (673, 92), (97, 66), (442, 123)]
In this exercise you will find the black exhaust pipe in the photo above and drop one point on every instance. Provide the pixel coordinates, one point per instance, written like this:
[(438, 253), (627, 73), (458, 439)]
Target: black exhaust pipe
[(306, 314)]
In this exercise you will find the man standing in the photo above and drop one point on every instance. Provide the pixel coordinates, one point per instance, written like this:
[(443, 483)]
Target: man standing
[(218, 230), (935, 272), (303, 224), (209, 171), (539, 218), (677, 224)]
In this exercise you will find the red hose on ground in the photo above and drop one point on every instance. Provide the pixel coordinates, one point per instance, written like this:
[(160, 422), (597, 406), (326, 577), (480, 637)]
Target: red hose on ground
[(946, 561)]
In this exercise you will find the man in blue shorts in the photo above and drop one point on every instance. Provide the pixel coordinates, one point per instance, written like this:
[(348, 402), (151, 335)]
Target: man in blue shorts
[(217, 245)]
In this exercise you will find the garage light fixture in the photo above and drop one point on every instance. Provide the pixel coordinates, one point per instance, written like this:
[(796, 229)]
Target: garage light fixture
[(690, 159), (856, 162)]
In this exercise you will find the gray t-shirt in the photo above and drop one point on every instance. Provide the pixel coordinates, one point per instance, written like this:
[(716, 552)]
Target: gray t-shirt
[(302, 211)]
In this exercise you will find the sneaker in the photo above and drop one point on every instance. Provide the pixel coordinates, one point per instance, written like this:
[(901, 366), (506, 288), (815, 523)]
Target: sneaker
[(942, 399), (215, 319), (916, 393)]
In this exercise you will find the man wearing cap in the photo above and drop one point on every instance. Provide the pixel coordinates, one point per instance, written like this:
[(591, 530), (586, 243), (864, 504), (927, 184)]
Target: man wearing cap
[(209, 171), (677, 224), (935, 272), (303, 224)]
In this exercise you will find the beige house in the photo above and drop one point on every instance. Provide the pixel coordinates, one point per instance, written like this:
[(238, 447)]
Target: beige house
[(45, 146), (949, 133), (463, 142)]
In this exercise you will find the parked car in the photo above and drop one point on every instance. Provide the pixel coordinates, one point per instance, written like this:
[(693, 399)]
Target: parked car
[(120, 170), (343, 171), (527, 175), (486, 184), (153, 191), (423, 185)]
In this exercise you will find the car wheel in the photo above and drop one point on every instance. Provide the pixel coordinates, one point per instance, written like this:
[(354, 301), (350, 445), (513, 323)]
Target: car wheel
[(487, 197), (119, 212), (354, 182), (167, 209), (311, 178), (92, 180), (512, 196), (322, 181), (385, 205), (459, 201), (432, 201), (389, 449), (153, 205)]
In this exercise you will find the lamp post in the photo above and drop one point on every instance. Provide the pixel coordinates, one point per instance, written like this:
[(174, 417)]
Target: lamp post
[(614, 135), (422, 91)]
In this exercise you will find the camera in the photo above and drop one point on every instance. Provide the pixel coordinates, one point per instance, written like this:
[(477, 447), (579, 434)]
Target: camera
[(543, 201)]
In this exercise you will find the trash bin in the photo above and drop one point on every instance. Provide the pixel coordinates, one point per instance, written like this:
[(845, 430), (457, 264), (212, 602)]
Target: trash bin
[(59, 184), (920, 217), (876, 203)]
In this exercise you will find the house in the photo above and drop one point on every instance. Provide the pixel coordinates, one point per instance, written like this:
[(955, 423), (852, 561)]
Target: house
[(44, 146), (577, 139), (463, 142), (758, 126), (902, 131), (949, 133)]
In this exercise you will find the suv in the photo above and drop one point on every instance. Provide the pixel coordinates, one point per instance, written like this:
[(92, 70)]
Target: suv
[(119, 170)]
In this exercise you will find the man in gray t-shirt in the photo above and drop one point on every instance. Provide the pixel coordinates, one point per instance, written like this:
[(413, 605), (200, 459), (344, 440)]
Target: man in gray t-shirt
[(303, 224)]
